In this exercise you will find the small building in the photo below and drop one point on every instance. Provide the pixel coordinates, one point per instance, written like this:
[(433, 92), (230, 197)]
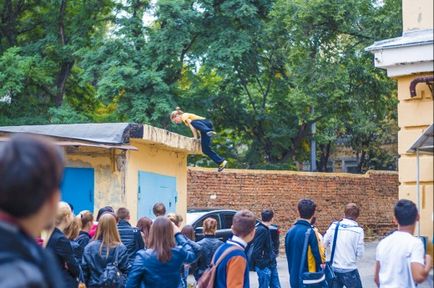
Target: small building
[(120, 165), (409, 60)]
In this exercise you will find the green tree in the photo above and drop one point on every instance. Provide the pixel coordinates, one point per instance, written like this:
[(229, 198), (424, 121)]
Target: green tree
[(38, 42)]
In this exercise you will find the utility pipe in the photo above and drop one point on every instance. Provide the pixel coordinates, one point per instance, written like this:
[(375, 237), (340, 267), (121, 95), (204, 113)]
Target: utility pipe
[(428, 80)]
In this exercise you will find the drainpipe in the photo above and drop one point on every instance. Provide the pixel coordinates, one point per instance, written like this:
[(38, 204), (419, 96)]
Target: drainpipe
[(428, 80)]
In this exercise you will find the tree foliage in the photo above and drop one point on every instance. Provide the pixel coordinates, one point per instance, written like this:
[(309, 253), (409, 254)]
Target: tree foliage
[(264, 71)]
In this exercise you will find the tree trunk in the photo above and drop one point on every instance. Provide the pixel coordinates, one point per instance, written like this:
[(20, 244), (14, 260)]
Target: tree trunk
[(361, 162), (62, 76), (324, 157), (65, 66)]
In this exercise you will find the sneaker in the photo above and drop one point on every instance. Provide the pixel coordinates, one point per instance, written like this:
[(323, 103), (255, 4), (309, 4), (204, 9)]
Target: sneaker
[(211, 133), (222, 166)]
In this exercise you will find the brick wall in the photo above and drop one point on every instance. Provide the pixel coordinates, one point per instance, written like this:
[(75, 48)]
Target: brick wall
[(375, 193)]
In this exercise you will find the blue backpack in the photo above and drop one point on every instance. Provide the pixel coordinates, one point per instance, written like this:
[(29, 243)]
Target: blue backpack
[(112, 277)]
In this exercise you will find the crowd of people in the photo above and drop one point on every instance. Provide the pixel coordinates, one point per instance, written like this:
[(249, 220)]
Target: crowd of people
[(44, 244)]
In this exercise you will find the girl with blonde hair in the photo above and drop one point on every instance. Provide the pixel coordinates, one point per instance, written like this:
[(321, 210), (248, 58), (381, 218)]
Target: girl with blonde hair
[(206, 129), (61, 246), (105, 250)]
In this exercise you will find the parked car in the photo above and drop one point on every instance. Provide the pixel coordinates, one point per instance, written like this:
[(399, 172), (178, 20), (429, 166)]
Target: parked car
[(224, 217)]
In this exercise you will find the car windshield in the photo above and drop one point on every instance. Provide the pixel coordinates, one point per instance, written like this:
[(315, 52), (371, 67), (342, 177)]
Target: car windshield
[(192, 217)]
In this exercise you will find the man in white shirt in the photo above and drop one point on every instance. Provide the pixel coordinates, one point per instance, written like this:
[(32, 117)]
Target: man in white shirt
[(349, 248), (400, 256)]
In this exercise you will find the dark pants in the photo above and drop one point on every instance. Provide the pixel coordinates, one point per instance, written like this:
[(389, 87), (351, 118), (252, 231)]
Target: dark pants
[(205, 126), (349, 279)]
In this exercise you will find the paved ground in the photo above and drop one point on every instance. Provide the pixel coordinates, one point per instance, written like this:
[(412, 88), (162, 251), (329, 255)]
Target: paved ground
[(366, 270)]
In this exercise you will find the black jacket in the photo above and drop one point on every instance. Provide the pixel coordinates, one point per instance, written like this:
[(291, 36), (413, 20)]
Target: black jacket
[(24, 262), (61, 247), (209, 245), (94, 263), (82, 239), (263, 253), (131, 238)]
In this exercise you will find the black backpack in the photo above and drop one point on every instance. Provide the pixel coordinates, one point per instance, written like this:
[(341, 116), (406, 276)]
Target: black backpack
[(111, 277)]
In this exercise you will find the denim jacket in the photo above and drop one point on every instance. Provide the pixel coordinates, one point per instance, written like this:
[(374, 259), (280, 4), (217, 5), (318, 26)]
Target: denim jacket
[(94, 264), (147, 270)]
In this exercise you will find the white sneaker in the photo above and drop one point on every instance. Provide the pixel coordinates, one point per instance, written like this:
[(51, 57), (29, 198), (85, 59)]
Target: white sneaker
[(211, 133)]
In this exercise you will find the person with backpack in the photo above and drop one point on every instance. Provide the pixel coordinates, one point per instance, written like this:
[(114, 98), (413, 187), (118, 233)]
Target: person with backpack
[(31, 170), (209, 245), (105, 260), (229, 266), (301, 243), (159, 266), (344, 244), (130, 236)]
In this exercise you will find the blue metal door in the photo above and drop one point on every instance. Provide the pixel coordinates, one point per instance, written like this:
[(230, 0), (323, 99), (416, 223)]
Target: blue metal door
[(77, 188), (154, 188)]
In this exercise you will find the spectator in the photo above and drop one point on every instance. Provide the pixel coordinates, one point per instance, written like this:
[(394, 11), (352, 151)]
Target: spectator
[(400, 256), (130, 236), (31, 171), (349, 248), (209, 245), (294, 242), (159, 265), (188, 232), (159, 209), (176, 219), (321, 247), (104, 250), (144, 225), (71, 232), (263, 255), (233, 270), (101, 211), (83, 238), (62, 248)]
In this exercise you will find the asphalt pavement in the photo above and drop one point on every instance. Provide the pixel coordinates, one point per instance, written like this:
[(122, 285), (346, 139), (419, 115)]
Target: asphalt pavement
[(365, 266)]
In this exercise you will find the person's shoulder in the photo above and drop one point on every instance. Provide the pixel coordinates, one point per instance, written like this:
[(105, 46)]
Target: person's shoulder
[(25, 274), (261, 228), (388, 240), (121, 247), (144, 253), (93, 244)]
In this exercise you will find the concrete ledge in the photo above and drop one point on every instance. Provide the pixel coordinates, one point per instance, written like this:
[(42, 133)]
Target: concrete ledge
[(164, 138)]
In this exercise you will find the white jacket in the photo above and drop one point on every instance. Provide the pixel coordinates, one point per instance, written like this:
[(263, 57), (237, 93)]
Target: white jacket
[(349, 245)]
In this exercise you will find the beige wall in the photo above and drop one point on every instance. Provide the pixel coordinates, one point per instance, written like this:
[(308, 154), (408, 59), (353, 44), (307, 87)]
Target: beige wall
[(417, 14), (414, 117), (109, 169), (156, 159)]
